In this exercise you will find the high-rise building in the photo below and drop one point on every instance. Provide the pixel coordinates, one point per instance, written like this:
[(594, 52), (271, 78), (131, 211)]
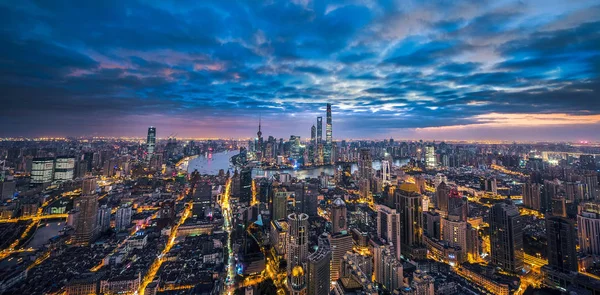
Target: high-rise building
[(506, 236), (385, 172), (103, 217), (42, 170), (280, 204), (411, 222), (340, 244), (387, 270), (319, 277), (319, 130), (297, 252), (64, 168), (298, 281), (123, 218), (338, 216), (87, 205), (532, 193), (454, 231), (388, 227), (365, 164), (588, 226), (328, 137), (430, 160), (442, 195), (151, 142), (561, 236)]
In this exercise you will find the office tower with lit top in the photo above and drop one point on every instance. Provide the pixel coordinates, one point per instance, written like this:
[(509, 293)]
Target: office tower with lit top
[(506, 236), (151, 142), (297, 252), (86, 223)]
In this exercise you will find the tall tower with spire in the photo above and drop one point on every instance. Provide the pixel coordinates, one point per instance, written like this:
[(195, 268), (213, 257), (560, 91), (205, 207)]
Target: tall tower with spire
[(259, 139)]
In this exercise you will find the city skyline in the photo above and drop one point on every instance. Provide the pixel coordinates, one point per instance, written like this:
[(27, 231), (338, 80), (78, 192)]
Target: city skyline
[(470, 71)]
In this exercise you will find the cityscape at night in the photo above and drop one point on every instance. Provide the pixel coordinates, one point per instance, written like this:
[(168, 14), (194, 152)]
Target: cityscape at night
[(301, 147)]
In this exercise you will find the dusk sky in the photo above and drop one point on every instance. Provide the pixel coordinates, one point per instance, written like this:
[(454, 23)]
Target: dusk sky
[(512, 70)]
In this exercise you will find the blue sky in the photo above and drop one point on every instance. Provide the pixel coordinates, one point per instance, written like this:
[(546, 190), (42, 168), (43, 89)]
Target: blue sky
[(514, 70)]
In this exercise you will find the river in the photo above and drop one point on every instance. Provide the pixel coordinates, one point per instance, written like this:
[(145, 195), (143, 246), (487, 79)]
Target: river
[(212, 163), (44, 233)]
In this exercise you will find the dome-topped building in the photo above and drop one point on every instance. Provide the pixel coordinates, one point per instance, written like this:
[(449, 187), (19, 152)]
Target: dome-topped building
[(338, 216)]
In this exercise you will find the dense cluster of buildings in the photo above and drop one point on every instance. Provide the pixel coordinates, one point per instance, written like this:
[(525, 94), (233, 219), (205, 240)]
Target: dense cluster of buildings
[(372, 217)]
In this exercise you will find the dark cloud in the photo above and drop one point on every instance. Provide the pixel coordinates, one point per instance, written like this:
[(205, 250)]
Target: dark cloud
[(209, 67)]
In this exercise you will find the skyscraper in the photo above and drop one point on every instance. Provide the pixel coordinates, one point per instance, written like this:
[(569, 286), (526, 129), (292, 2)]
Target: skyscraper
[(588, 225), (340, 244), (365, 164), (319, 130), (506, 236), (532, 193), (319, 280), (562, 253), (85, 226), (151, 142), (430, 161), (259, 139), (385, 172), (298, 281), (328, 137), (338, 216), (442, 195), (388, 227), (411, 222), (297, 241), (280, 201), (387, 269)]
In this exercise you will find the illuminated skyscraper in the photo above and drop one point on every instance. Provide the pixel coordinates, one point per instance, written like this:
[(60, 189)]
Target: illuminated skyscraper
[(297, 241), (151, 142), (86, 223), (506, 236), (430, 157), (340, 244), (259, 140), (319, 130), (328, 137)]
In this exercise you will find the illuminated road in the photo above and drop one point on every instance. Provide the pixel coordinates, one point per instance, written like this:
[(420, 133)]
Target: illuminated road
[(227, 215), (35, 218), (149, 277)]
